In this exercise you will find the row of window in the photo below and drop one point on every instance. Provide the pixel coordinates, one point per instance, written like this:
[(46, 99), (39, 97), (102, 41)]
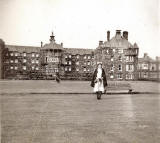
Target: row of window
[(24, 68), (146, 66), (77, 69), (120, 76), (24, 61), (128, 67), (23, 54), (78, 56), (77, 63)]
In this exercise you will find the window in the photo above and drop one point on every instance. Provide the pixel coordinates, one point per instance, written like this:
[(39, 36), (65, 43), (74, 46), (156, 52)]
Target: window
[(37, 55), (85, 57), (129, 76), (11, 67), (66, 56), (89, 63), (84, 63), (66, 69), (84, 69), (15, 67), (77, 63), (114, 50), (129, 58), (24, 54), (129, 67), (89, 57), (120, 67), (88, 70), (33, 67), (120, 58), (33, 54), (77, 56), (65, 62), (24, 67), (37, 61), (112, 59), (145, 66), (37, 68), (120, 51), (70, 56), (77, 69), (16, 60), (24, 60), (111, 76), (69, 62), (145, 75), (119, 76), (11, 61), (112, 67), (33, 61), (16, 54), (11, 54), (69, 68)]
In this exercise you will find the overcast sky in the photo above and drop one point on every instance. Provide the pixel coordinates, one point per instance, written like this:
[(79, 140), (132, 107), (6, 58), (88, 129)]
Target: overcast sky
[(80, 23)]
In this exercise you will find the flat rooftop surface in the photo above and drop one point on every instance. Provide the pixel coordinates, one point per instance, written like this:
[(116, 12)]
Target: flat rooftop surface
[(80, 118)]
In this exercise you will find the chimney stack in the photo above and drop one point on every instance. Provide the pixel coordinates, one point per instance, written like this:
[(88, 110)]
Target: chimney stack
[(125, 35), (145, 55), (118, 32), (100, 43), (62, 44), (108, 35)]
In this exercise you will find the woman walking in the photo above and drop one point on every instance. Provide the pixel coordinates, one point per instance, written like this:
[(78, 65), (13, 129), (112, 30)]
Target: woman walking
[(99, 81)]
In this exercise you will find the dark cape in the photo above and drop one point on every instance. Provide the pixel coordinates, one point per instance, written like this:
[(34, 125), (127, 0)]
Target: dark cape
[(95, 75)]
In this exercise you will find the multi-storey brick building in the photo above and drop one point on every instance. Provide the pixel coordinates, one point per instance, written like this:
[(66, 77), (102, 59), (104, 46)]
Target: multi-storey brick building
[(27, 62), (118, 55), (148, 68)]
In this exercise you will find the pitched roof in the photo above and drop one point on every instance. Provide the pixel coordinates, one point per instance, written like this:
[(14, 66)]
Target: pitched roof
[(118, 42), (52, 45), (78, 51), (146, 59), (21, 49)]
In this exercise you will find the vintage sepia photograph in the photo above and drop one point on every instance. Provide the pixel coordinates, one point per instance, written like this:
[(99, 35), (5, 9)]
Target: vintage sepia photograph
[(79, 71)]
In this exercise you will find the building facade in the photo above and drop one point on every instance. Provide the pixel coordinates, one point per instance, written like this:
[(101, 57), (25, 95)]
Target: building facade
[(118, 55), (148, 68)]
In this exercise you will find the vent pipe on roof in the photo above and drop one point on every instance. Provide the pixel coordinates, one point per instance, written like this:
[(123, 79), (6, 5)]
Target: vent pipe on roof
[(41, 44)]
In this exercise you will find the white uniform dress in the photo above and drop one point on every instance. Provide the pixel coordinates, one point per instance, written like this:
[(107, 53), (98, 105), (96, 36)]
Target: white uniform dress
[(99, 85)]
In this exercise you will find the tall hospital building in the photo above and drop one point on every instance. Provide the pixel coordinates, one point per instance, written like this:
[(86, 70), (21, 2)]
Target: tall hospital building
[(118, 56)]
